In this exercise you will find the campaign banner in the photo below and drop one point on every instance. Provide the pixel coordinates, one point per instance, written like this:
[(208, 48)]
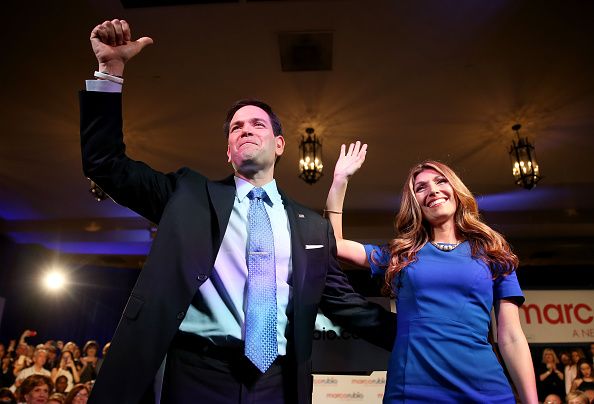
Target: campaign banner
[(339, 351), (558, 316), (333, 389)]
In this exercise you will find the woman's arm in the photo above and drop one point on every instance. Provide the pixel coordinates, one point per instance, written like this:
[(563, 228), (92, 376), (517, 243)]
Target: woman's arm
[(574, 386), (348, 163), (74, 371), (54, 375), (550, 371), (514, 350)]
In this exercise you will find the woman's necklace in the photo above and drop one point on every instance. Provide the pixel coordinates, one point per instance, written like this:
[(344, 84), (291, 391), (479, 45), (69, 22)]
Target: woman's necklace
[(446, 246)]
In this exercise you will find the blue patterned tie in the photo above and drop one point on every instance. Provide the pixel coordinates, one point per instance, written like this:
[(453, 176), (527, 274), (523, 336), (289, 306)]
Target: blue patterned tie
[(260, 318)]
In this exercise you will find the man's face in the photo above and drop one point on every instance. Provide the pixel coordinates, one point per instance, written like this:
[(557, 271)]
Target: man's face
[(40, 357), (22, 349), (252, 145)]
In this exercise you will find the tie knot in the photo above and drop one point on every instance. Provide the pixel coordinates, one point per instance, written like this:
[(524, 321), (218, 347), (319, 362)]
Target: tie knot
[(257, 193)]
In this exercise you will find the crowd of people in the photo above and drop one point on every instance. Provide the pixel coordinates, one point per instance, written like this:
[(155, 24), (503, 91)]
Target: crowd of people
[(566, 375), (62, 373), (53, 372)]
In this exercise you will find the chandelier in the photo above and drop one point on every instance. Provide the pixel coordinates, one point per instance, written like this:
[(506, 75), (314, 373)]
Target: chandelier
[(523, 158), (310, 163)]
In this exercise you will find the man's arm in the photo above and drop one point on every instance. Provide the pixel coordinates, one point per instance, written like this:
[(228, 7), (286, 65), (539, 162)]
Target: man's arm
[(128, 182), (341, 304)]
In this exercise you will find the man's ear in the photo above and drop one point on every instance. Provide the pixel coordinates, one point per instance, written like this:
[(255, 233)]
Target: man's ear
[(280, 145), (228, 154)]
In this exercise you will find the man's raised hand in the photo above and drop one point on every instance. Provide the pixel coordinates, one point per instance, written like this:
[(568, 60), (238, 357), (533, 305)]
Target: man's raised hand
[(113, 45)]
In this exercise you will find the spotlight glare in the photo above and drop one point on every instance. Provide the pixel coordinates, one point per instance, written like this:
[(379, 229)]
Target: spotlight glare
[(54, 280)]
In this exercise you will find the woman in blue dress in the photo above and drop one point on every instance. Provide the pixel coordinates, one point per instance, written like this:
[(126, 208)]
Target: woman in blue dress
[(447, 270)]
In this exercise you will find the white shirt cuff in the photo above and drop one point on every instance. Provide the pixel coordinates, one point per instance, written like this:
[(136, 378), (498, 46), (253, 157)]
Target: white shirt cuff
[(104, 86)]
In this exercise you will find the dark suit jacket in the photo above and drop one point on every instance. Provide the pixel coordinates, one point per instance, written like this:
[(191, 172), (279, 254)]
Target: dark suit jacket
[(192, 213)]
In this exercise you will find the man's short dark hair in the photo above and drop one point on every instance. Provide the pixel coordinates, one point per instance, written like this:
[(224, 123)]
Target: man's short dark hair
[(276, 124)]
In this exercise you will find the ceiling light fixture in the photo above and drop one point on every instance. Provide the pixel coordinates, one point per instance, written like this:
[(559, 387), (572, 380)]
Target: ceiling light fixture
[(523, 158), (310, 164)]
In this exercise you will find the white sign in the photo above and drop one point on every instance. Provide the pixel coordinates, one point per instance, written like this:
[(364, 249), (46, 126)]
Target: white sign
[(558, 316), (335, 389)]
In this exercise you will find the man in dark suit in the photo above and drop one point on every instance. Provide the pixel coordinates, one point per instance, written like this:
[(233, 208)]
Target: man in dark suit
[(192, 299)]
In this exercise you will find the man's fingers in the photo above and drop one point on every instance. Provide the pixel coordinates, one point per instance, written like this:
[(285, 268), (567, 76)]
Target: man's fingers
[(118, 32), (99, 33), (114, 33), (127, 31)]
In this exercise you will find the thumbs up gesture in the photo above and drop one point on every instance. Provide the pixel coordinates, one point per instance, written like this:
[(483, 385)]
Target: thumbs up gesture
[(113, 46)]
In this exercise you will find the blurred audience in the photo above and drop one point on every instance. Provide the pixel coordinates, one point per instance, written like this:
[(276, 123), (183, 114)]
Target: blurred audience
[(66, 369), (61, 385), (56, 398), (7, 396), (26, 369), (74, 349), (584, 380), (577, 397), (552, 399), (35, 389), (53, 358), (78, 395), (89, 361), (103, 355), (575, 355), (550, 377), (39, 358)]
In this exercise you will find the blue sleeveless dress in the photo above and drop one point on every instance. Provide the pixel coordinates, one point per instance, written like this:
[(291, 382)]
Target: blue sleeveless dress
[(441, 353)]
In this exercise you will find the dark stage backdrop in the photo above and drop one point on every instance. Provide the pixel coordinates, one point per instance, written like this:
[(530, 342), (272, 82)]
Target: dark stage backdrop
[(91, 305)]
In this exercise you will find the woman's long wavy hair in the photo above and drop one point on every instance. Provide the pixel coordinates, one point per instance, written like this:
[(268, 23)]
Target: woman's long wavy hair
[(413, 232)]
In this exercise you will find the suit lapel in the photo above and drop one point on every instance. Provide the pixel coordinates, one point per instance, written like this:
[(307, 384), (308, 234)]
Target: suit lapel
[(222, 195), (297, 223)]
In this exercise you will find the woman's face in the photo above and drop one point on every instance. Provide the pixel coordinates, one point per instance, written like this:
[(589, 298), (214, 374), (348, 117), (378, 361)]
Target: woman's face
[(66, 357), (92, 351), (81, 397), (61, 384), (548, 357), (586, 370), (38, 395), (575, 356), (435, 196), (577, 400)]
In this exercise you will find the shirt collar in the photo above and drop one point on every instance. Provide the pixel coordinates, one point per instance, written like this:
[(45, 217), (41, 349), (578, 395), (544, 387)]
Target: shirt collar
[(243, 187)]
